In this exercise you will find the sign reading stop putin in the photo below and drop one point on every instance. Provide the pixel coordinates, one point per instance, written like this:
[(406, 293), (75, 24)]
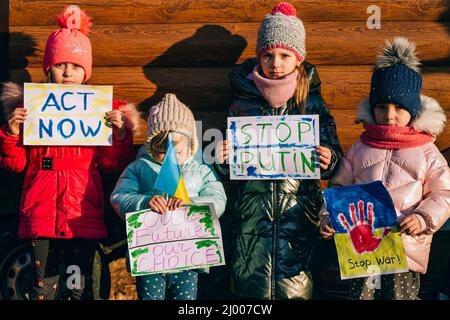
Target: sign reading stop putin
[(274, 147)]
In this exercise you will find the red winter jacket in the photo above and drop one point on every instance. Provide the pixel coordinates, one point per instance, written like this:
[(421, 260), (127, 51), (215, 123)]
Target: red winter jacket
[(66, 201)]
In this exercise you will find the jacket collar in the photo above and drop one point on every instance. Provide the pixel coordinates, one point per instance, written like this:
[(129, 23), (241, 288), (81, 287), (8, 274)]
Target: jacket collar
[(244, 88), (431, 117)]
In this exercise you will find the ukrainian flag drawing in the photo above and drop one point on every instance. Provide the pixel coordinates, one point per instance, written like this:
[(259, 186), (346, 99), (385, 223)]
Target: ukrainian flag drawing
[(170, 179), (367, 238)]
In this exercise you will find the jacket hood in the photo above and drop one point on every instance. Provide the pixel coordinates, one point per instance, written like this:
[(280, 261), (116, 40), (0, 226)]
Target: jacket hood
[(12, 95), (431, 117), (244, 88)]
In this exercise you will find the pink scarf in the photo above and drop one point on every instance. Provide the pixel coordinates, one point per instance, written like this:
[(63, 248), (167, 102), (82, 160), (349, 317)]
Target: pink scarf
[(276, 91), (393, 137)]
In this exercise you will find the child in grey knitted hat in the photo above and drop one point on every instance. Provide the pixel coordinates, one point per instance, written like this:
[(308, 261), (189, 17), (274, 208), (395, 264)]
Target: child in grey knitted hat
[(135, 189), (277, 218)]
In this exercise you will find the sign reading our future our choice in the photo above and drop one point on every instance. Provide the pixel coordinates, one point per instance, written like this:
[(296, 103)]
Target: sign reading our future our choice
[(186, 238), (274, 147), (66, 114)]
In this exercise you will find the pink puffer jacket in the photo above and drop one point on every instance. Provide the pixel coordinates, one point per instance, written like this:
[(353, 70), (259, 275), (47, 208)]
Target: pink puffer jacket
[(418, 179)]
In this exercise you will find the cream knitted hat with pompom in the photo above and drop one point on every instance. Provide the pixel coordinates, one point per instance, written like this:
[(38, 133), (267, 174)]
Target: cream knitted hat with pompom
[(170, 114)]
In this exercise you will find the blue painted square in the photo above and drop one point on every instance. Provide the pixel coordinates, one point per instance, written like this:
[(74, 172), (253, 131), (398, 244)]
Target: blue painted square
[(338, 200)]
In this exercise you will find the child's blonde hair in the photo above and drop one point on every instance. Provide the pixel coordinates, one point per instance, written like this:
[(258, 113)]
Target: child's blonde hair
[(158, 143), (49, 78), (301, 92)]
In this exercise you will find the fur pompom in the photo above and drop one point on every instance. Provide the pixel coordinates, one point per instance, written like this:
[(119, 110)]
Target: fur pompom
[(285, 8), (399, 51), (132, 118), (11, 96), (74, 18), (431, 118)]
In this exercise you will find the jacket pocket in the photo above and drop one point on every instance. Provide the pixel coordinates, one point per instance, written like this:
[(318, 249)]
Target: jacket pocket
[(39, 193), (86, 189)]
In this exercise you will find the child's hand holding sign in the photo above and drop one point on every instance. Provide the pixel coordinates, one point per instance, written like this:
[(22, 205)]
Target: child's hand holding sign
[(116, 118)]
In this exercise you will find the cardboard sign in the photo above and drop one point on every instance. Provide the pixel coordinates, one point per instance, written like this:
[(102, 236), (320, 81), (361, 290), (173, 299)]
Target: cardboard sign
[(367, 236), (187, 238), (65, 114), (274, 147)]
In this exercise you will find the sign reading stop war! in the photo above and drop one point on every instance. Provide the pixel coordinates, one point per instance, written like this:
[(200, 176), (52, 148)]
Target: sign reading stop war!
[(274, 147), (186, 238), (65, 114), (367, 238)]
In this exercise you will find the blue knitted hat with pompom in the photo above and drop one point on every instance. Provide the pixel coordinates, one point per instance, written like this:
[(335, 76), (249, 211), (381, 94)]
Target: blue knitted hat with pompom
[(397, 77)]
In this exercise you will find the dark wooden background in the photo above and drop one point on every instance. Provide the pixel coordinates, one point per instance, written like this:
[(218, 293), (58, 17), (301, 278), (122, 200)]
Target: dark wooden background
[(146, 48)]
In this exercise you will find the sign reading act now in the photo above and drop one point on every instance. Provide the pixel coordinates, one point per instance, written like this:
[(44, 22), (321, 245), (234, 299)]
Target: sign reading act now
[(61, 114)]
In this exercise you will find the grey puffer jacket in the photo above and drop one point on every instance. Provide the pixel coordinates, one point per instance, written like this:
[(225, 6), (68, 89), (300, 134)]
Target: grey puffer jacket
[(276, 220)]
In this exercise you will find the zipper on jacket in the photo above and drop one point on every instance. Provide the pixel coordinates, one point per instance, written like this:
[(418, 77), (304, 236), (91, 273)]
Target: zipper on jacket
[(59, 202), (275, 215), (387, 159), (274, 241)]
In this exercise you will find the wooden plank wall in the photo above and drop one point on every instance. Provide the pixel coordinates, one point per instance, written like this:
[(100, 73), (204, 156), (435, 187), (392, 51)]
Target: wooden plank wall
[(4, 40), (146, 48)]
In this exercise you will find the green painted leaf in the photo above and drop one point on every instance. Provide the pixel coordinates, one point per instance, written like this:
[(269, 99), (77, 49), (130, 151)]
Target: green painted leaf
[(133, 220), (130, 237), (206, 244), (138, 252), (207, 220)]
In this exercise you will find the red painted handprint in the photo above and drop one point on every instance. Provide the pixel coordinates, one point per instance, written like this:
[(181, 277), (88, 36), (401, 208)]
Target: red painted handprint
[(361, 231)]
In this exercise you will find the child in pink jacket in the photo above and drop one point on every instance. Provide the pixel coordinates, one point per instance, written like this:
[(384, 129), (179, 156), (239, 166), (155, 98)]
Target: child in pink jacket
[(397, 148)]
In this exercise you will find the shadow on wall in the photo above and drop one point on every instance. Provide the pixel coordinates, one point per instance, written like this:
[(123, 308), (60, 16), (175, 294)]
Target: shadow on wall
[(444, 62), (445, 20), (21, 46), (196, 70)]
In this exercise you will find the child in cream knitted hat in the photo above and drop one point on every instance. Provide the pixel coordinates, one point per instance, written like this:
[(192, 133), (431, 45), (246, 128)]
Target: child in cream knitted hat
[(170, 115), (135, 189)]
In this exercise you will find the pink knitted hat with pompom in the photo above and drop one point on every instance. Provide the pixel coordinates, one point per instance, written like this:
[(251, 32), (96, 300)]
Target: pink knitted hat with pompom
[(282, 29), (70, 43)]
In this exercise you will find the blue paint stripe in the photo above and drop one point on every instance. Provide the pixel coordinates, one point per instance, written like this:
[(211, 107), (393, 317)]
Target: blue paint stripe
[(281, 145)]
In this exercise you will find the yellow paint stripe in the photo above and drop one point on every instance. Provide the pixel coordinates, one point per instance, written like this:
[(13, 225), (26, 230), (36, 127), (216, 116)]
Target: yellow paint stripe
[(29, 129), (181, 191)]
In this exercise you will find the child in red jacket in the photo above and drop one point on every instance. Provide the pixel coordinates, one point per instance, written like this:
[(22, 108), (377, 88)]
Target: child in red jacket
[(61, 208)]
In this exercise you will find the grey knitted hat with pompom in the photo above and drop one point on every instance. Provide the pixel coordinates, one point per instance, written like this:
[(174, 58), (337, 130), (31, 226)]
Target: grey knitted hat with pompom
[(282, 29)]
